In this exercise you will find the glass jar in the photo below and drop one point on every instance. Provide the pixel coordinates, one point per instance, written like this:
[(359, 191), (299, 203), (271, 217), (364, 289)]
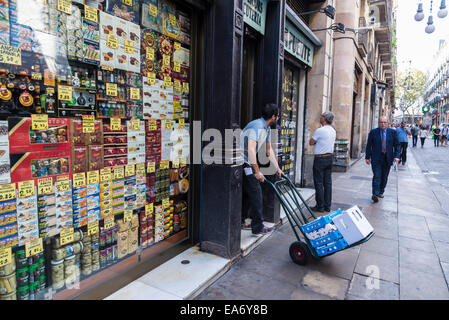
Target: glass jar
[(57, 274), (8, 284)]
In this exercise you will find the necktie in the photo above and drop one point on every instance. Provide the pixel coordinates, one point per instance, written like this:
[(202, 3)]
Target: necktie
[(384, 144)]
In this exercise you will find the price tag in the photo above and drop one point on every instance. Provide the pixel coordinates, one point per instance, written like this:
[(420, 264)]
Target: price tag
[(88, 124), (105, 175), (63, 184), (45, 186), (34, 247), (112, 41), (135, 124), (177, 67), (167, 81), (176, 163), (185, 87), (128, 216), (165, 203), (26, 189), (108, 68), (7, 192), (65, 6), (130, 170), (129, 46), (79, 180), (128, 2), (177, 86), (65, 93), (183, 162), (116, 124), (39, 122), (150, 55), (181, 123), (153, 10), (151, 167), (172, 19), (93, 177), (5, 256), (149, 209), (164, 165), (10, 55), (140, 168), (50, 90), (36, 76), (119, 172), (152, 125), (66, 236), (177, 46), (166, 60), (167, 124), (93, 228), (111, 89), (90, 13), (134, 93), (109, 222)]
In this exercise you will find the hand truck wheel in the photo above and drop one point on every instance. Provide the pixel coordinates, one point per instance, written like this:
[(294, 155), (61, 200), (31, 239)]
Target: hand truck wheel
[(299, 252)]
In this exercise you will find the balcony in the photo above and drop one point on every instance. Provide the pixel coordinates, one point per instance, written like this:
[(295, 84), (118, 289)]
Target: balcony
[(362, 38)]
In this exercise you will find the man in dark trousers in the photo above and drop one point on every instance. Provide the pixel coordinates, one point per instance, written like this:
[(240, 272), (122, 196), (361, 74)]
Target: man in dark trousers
[(382, 147)]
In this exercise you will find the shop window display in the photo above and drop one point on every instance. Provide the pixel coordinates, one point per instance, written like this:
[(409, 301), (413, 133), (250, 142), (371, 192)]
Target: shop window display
[(94, 137)]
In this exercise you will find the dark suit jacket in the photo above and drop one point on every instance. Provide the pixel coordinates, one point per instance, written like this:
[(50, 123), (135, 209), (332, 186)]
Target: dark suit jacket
[(374, 146)]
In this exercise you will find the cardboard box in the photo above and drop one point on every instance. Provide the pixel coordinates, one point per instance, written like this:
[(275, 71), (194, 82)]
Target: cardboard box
[(353, 225), (79, 159), (95, 156)]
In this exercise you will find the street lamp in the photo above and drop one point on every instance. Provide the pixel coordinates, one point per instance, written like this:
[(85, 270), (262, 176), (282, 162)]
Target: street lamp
[(442, 13), (338, 27), (328, 11)]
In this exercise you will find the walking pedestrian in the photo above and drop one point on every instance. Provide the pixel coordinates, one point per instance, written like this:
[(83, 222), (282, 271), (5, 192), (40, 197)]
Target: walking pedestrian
[(414, 132), (323, 139), (444, 135), (253, 137), (381, 148), (403, 140), (436, 136), (423, 134)]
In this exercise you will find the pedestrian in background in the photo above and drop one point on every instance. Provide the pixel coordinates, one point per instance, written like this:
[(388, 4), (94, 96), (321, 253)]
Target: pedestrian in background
[(423, 134), (403, 140), (444, 135), (436, 136), (414, 132), (323, 139), (382, 147)]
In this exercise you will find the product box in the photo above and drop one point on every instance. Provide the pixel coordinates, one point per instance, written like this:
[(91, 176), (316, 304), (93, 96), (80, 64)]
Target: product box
[(5, 170), (353, 225), (122, 244), (133, 242), (79, 159), (95, 156), (119, 9)]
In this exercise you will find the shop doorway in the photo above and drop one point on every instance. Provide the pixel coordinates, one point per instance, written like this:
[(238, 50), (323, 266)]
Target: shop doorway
[(248, 76)]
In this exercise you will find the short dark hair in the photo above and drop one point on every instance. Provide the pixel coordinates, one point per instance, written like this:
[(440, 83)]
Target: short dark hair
[(269, 110)]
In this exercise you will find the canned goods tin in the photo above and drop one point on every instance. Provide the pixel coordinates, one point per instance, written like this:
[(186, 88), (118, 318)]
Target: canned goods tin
[(102, 239), (9, 296), (23, 293), (109, 237), (109, 255), (21, 260)]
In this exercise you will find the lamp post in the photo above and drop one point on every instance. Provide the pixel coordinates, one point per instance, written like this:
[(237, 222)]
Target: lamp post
[(442, 13)]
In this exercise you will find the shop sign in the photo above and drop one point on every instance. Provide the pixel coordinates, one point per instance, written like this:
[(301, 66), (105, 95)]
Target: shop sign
[(254, 12), (297, 44)]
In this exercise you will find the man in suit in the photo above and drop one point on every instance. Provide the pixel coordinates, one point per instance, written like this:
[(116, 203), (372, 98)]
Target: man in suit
[(382, 147)]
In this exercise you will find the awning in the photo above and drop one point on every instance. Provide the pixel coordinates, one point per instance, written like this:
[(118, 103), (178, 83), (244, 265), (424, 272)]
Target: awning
[(302, 27)]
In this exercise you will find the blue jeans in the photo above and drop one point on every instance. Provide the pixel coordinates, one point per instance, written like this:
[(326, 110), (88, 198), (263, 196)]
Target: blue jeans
[(415, 140), (322, 179), (381, 170), (253, 202)]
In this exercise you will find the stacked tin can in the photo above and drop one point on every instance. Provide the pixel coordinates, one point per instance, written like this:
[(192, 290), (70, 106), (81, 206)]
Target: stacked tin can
[(108, 246), (30, 275)]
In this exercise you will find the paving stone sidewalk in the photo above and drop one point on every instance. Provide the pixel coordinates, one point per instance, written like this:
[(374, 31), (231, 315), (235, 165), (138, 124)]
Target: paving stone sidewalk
[(408, 257)]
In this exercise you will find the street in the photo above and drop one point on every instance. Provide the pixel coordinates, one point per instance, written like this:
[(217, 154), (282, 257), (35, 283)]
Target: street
[(408, 257)]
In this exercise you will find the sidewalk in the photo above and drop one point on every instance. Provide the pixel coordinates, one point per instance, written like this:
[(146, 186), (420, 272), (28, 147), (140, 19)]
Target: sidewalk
[(409, 254)]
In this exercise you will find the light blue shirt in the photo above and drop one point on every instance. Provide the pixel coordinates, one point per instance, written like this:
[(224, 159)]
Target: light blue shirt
[(402, 134), (256, 130)]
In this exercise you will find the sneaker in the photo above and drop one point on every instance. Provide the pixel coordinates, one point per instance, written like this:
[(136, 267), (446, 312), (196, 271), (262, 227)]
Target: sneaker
[(317, 209), (246, 226), (380, 195), (327, 209), (264, 230), (375, 198)]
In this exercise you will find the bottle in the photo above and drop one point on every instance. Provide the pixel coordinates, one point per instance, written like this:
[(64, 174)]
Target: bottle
[(91, 80), (76, 80), (82, 79), (100, 75)]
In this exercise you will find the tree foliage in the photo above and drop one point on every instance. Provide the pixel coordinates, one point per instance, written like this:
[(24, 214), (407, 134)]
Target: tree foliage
[(410, 88)]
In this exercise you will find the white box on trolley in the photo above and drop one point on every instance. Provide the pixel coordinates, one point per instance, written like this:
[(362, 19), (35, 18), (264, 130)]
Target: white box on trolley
[(353, 225)]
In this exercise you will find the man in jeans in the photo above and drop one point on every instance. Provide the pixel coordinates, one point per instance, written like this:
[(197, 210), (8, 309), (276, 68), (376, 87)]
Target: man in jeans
[(323, 139), (444, 135), (403, 140), (253, 137), (414, 130)]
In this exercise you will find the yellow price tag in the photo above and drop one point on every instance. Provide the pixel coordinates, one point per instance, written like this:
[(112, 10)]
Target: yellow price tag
[(177, 46), (185, 87), (10, 55), (36, 76), (109, 222), (88, 124), (66, 236), (26, 189), (7, 192), (63, 184), (140, 168), (150, 55), (93, 177), (111, 89), (128, 2), (130, 170), (39, 122), (134, 93), (135, 124), (108, 68), (151, 167), (167, 124), (165, 203), (105, 175), (166, 60), (176, 163), (5, 256), (128, 216), (116, 124), (45, 186), (112, 41), (172, 19), (181, 123), (65, 93), (79, 180), (65, 6), (129, 46), (177, 86), (153, 10), (119, 172), (34, 247), (177, 67), (93, 228), (149, 209), (50, 90), (152, 125), (90, 13), (183, 162), (167, 81), (164, 165), (151, 81)]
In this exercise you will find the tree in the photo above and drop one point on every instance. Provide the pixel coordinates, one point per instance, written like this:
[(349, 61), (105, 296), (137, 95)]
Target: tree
[(410, 89)]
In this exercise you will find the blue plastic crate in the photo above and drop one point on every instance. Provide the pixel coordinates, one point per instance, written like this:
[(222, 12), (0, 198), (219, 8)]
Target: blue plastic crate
[(320, 222), (331, 247), (331, 237)]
